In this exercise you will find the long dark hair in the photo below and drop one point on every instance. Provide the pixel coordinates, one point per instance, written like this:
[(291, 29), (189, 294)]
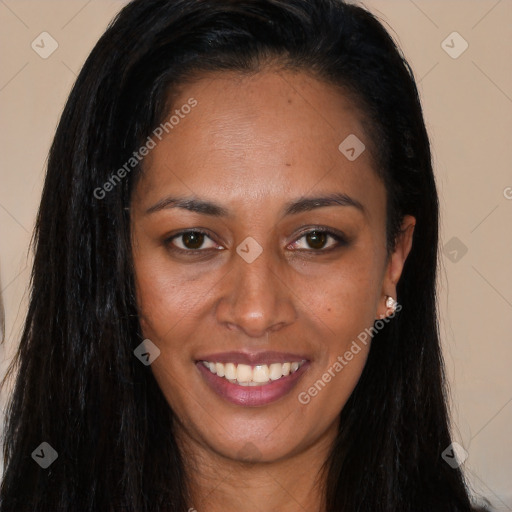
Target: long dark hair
[(78, 385)]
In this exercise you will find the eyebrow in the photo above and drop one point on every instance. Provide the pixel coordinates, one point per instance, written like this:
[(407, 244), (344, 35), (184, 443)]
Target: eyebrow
[(300, 205)]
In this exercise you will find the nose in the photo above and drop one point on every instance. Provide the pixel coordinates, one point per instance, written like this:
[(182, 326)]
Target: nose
[(256, 298)]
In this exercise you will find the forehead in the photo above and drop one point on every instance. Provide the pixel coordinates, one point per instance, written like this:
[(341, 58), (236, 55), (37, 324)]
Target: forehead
[(271, 134)]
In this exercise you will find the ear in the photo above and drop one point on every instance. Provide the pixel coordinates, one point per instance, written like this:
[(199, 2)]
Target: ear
[(395, 265)]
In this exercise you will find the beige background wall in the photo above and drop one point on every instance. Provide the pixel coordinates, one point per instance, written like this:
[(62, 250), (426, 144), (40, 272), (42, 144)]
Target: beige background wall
[(468, 108)]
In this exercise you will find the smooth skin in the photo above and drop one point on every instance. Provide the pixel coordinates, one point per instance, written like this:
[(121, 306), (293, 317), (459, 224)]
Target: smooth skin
[(252, 145)]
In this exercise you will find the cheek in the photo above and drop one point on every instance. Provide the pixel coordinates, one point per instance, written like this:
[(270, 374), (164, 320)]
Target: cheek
[(344, 298), (343, 321), (166, 305), (165, 296), (343, 307)]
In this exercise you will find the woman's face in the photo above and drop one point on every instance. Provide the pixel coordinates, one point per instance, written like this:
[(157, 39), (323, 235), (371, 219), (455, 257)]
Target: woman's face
[(272, 277)]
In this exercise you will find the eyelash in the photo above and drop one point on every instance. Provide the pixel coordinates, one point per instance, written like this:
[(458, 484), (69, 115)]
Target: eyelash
[(338, 237)]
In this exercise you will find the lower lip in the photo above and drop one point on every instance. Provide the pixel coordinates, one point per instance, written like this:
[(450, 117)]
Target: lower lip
[(252, 396)]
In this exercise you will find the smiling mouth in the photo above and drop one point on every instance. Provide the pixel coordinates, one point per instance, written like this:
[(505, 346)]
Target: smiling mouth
[(257, 375)]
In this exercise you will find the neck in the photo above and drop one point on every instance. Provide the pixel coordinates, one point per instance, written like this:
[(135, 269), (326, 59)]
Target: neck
[(217, 483)]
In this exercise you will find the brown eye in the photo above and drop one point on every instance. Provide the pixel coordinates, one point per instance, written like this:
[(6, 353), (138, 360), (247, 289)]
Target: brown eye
[(193, 240), (316, 239), (190, 241)]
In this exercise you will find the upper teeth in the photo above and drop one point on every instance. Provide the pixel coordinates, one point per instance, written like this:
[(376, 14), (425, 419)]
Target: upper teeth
[(246, 375)]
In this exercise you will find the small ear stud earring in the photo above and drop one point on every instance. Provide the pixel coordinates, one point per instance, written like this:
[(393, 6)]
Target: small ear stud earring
[(391, 303)]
